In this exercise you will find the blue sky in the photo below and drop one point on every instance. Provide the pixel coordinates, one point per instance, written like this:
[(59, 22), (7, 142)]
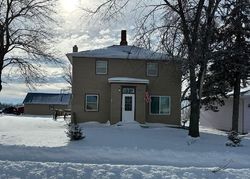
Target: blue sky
[(74, 28)]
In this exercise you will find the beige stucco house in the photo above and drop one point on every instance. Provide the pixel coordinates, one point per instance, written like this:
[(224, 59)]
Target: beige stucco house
[(123, 83), (45, 103)]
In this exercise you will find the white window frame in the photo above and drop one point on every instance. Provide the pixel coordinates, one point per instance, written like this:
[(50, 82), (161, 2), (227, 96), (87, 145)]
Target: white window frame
[(160, 114), (106, 66), (97, 103), (157, 68)]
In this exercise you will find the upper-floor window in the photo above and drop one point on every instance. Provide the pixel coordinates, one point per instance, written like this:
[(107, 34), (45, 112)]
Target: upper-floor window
[(101, 67), (152, 69)]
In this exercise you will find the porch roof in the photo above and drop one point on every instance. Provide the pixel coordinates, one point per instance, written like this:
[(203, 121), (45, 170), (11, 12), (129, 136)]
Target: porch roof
[(128, 80)]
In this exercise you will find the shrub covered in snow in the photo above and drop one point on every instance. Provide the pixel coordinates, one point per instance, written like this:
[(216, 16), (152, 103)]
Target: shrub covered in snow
[(233, 139), (74, 132)]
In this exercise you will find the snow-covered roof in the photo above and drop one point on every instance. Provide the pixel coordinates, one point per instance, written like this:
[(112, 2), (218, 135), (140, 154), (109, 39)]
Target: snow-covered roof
[(244, 92), (128, 80), (247, 93), (120, 52), (47, 98)]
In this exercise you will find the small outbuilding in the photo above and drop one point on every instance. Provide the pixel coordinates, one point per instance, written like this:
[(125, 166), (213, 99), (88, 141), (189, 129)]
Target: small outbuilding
[(222, 119), (45, 103)]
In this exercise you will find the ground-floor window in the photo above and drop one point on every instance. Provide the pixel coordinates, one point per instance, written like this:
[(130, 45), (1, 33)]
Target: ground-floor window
[(91, 102), (160, 105)]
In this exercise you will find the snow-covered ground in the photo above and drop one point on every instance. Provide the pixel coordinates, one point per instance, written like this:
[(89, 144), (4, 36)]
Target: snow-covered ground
[(37, 147)]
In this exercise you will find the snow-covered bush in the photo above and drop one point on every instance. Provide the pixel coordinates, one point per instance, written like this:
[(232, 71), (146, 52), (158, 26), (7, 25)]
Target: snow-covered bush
[(74, 131), (233, 139)]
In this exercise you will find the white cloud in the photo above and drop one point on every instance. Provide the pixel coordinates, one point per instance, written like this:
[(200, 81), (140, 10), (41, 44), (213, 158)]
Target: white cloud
[(105, 31), (12, 93)]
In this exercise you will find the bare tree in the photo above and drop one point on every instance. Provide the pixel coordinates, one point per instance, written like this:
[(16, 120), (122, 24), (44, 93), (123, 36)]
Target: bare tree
[(186, 27), (67, 75), (25, 37), (197, 23)]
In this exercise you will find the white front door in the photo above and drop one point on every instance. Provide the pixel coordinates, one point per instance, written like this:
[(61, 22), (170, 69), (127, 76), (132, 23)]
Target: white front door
[(128, 107)]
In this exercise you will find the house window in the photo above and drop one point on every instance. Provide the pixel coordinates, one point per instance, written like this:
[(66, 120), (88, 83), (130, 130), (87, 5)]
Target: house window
[(160, 105), (101, 67), (152, 69), (91, 102)]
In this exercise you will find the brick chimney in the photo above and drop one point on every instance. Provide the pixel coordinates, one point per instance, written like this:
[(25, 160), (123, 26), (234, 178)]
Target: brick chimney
[(123, 38), (75, 48)]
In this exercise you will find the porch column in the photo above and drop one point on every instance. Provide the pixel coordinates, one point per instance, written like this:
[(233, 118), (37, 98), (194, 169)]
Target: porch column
[(115, 104), (140, 107)]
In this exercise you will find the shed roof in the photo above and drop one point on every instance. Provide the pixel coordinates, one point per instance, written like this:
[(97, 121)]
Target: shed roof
[(244, 92), (47, 98), (120, 52), (247, 93)]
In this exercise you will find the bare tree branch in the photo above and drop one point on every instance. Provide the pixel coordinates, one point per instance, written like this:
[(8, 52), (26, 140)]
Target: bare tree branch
[(182, 28), (25, 37), (67, 76)]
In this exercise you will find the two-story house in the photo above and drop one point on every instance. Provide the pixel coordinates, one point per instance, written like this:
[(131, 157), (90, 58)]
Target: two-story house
[(125, 83)]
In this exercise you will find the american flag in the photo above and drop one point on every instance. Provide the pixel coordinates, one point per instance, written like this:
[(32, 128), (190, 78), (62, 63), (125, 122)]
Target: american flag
[(147, 97)]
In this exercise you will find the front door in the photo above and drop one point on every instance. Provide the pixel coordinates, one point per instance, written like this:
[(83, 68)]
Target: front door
[(128, 107)]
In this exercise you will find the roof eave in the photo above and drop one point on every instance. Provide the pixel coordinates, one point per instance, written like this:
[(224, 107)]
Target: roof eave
[(128, 80), (70, 57)]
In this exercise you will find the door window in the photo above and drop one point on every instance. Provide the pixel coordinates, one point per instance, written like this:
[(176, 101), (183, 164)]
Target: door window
[(128, 103), (128, 90)]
